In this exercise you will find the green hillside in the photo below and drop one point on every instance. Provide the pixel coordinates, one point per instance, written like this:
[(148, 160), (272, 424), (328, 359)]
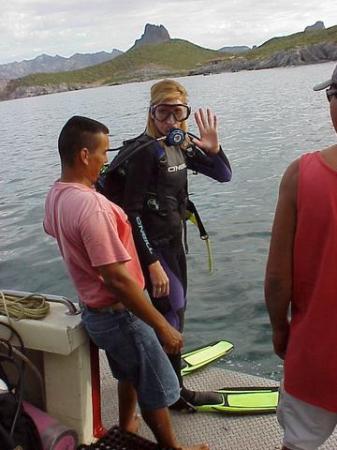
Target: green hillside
[(292, 41), (173, 57)]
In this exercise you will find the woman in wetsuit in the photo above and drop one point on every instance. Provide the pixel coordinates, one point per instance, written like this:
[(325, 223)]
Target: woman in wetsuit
[(155, 201)]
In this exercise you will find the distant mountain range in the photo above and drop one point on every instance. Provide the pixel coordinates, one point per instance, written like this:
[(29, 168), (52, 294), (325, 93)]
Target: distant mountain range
[(153, 34), (235, 50), (46, 63), (156, 55)]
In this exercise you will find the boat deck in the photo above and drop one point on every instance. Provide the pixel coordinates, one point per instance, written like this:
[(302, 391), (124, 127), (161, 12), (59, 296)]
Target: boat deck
[(221, 432)]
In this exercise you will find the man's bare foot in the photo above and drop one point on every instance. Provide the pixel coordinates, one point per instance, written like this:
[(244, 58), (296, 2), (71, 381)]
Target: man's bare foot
[(195, 447), (133, 425)]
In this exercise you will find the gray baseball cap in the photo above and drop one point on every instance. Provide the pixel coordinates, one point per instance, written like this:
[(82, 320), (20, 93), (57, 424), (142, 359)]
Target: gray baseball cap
[(328, 83)]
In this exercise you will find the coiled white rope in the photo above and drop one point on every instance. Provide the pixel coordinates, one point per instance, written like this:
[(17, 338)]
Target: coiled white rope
[(32, 306)]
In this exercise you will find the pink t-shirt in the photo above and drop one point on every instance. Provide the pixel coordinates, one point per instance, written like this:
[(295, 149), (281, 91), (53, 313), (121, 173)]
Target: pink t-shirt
[(91, 232)]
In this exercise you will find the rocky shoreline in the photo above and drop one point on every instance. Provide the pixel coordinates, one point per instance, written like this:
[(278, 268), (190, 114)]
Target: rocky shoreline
[(313, 54), (7, 92)]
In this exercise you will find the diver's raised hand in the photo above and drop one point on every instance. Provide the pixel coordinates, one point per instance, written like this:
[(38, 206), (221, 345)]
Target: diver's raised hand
[(159, 280), (207, 124)]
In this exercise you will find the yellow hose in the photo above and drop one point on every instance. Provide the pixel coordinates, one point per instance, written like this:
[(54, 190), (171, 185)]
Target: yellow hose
[(209, 254), (191, 217)]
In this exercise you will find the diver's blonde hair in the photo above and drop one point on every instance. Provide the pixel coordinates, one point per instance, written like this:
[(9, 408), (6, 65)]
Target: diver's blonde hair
[(161, 92)]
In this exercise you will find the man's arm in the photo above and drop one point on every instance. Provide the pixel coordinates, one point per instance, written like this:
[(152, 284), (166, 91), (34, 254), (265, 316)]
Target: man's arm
[(278, 280), (117, 279)]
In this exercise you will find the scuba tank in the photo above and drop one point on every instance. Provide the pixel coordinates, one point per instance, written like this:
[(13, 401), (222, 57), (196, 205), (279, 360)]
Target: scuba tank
[(53, 434), (22, 425)]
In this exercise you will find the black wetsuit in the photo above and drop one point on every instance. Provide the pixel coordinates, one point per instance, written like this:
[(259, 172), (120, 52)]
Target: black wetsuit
[(155, 201)]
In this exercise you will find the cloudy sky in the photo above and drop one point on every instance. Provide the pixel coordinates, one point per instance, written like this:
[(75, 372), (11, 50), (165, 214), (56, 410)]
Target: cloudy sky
[(31, 27)]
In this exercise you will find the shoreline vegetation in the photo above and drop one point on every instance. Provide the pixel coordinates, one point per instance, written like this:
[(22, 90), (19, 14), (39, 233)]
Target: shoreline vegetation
[(178, 57)]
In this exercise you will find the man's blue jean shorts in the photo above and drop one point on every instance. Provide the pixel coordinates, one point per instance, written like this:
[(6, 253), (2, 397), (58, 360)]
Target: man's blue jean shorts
[(135, 355)]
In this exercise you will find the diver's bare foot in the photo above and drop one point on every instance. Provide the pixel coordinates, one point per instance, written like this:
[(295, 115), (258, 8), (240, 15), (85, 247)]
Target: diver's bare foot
[(195, 447), (134, 424)]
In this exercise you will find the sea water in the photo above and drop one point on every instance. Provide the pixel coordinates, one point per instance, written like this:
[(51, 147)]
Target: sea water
[(266, 119)]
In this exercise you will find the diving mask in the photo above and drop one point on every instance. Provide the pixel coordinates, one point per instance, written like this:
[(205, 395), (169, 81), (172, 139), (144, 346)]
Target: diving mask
[(163, 111)]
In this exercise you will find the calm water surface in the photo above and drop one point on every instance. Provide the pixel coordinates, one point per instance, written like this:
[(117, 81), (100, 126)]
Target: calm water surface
[(266, 119)]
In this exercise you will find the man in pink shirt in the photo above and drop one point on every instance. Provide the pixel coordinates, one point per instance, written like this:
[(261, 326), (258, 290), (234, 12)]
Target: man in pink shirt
[(302, 274), (95, 240)]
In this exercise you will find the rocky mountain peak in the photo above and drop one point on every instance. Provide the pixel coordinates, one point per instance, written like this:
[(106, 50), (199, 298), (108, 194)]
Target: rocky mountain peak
[(319, 25), (153, 34)]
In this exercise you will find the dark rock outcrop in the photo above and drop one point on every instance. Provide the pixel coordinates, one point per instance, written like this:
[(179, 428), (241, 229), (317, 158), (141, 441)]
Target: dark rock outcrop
[(319, 25), (153, 34), (46, 63)]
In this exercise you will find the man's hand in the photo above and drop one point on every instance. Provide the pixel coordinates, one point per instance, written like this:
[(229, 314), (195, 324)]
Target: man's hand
[(171, 339), (207, 124), (280, 341), (118, 279), (159, 280)]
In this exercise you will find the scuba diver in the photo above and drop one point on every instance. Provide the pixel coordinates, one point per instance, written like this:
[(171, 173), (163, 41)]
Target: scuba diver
[(155, 199)]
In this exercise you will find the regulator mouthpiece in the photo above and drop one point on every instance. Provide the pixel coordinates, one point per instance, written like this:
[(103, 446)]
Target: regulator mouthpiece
[(175, 136)]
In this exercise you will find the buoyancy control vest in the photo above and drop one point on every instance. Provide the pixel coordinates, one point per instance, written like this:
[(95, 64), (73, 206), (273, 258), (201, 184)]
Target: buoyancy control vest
[(163, 197), (168, 204)]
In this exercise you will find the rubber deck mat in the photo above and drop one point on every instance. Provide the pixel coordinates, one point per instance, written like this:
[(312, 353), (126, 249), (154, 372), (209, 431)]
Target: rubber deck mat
[(115, 439)]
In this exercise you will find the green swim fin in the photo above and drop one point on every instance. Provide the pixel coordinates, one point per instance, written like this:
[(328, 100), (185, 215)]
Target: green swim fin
[(201, 356), (245, 400)]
